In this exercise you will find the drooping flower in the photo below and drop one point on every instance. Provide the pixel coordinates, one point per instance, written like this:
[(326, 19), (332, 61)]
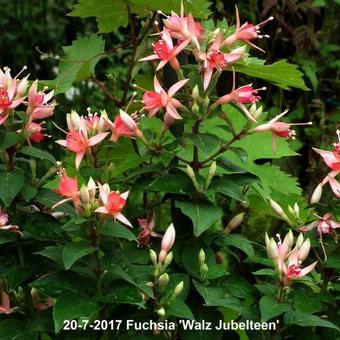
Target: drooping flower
[(112, 203), (11, 93), (5, 226), (123, 126), (214, 59), (243, 95), (332, 160), (166, 52), (324, 225), (279, 129), (5, 304), (39, 105), (167, 242), (183, 27), (77, 139), (69, 188), (288, 262), (246, 32), (36, 134), (147, 230), (155, 100), (96, 123)]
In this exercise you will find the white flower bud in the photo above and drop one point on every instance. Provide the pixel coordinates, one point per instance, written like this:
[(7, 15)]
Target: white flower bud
[(234, 223), (316, 196)]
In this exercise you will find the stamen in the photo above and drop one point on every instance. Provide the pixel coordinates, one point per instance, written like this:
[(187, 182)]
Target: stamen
[(264, 22), (279, 238), (338, 133), (139, 87), (296, 124), (22, 70)]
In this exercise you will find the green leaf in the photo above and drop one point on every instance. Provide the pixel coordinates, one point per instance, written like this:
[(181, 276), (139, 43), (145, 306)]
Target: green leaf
[(270, 308), (237, 241), (280, 73), (307, 320), (180, 309), (216, 297), (265, 272), (58, 283), (202, 215), (118, 271), (228, 165), (74, 251), (55, 253), (37, 153), (10, 185), (114, 229), (79, 62), (8, 139), (206, 142), (173, 183), (70, 306), (110, 15), (124, 294)]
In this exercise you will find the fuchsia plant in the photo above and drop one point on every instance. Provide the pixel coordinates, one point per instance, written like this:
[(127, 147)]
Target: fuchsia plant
[(150, 210)]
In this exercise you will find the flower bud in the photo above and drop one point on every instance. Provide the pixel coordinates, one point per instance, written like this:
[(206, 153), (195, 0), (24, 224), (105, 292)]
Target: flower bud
[(317, 193), (161, 311), (91, 187), (206, 101), (163, 280), (192, 176), (201, 257), (204, 270), (153, 257), (22, 87), (195, 108), (102, 123), (168, 260), (84, 195), (75, 120), (234, 223), (179, 288), (278, 210), (128, 121), (304, 250), (195, 93), (167, 242), (299, 240), (297, 210), (211, 174)]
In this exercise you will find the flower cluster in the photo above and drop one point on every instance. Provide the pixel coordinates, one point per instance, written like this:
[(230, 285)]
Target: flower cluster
[(39, 105), (85, 132), (288, 261), (86, 201)]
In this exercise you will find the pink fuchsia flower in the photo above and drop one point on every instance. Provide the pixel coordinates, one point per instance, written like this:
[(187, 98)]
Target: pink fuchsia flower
[(243, 95), (292, 267), (39, 103), (77, 139), (147, 230), (288, 262), (112, 203), (5, 304), (167, 242), (11, 93), (184, 27), (96, 123), (331, 158), (123, 126), (246, 32), (155, 100), (166, 52), (279, 129), (279, 251), (5, 226), (69, 188), (214, 59), (324, 225), (36, 134)]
